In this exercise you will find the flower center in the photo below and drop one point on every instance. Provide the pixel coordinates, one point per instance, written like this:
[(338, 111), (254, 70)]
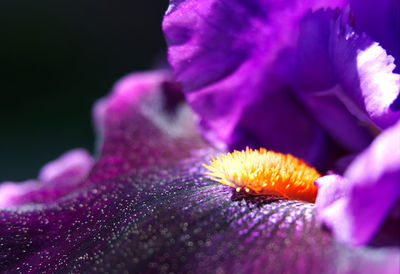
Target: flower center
[(262, 172)]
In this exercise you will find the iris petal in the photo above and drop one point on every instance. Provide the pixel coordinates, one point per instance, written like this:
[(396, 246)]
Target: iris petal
[(290, 76), (147, 207), (314, 80), (228, 56), (368, 12), (365, 72), (56, 179), (356, 206)]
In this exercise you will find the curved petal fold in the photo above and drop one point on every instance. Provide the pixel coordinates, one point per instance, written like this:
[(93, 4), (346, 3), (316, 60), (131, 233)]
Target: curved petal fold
[(56, 179), (356, 206), (314, 80), (365, 73)]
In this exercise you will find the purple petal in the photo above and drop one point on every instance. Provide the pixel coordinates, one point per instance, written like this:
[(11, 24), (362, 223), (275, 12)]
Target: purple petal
[(227, 55), (330, 189), (345, 76), (258, 88), (380, 20), (364, 72), (314, 80), (141, 105), (70, 168), (161, 214), (356, 206), (56, 179)]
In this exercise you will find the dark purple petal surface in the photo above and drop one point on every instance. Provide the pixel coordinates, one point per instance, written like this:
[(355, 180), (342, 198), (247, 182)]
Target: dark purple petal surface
[(147, 207), (380, 20), (356, 206), (365, 73)]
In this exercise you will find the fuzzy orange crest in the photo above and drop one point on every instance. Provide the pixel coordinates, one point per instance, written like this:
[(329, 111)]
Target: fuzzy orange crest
[(262, 172)]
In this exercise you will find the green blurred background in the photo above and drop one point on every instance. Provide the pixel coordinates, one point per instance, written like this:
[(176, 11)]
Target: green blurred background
[(57, 58)]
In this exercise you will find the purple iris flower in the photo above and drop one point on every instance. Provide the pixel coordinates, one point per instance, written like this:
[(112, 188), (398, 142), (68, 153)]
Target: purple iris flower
[(304, 77), (292, 76), (284, 75)]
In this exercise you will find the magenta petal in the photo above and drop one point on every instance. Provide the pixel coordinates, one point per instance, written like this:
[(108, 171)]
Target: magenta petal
[(70, 168), (140, 105), (355, 207), (12, 194), (56, 179)]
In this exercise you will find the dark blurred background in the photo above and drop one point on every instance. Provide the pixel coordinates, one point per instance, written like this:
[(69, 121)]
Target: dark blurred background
[(56, 59)]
